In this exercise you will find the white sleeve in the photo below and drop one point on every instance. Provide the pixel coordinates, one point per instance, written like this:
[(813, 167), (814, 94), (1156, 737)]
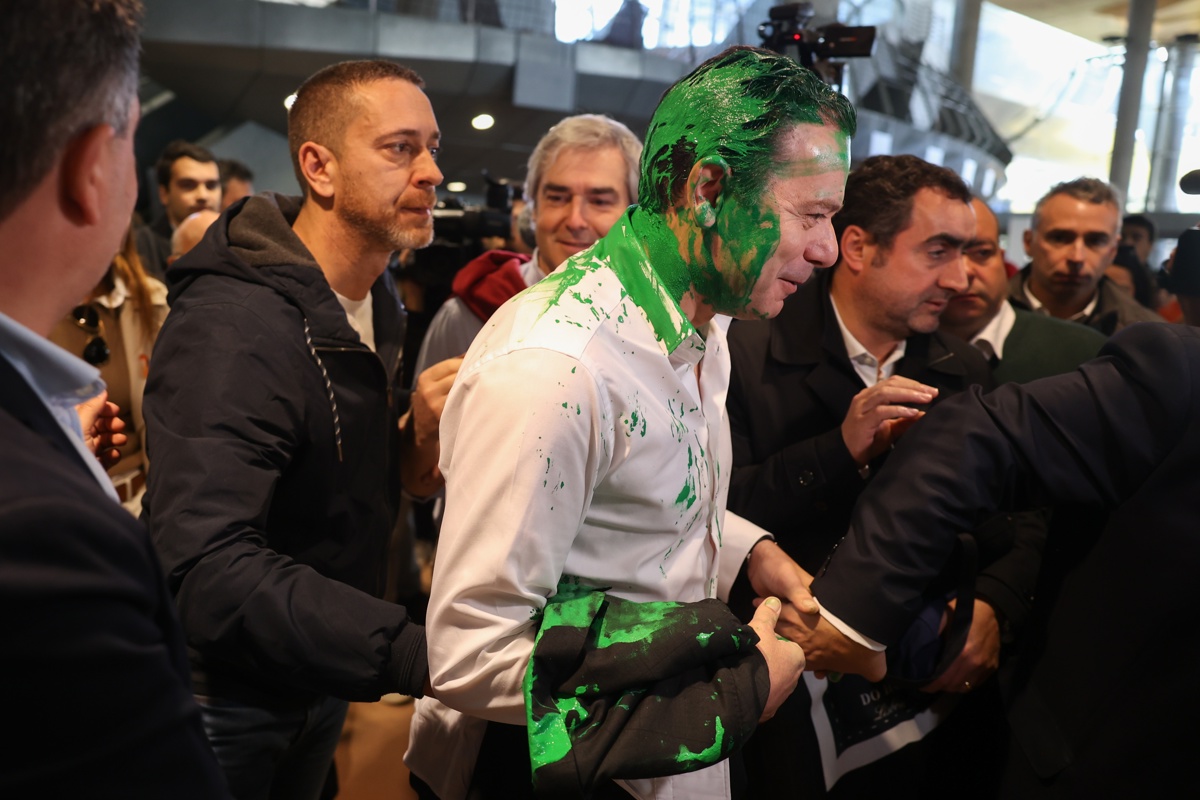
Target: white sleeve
[(522, 451), (738, 537)]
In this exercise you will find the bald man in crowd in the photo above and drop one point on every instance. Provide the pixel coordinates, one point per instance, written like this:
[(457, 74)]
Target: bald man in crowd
[(190, 232)]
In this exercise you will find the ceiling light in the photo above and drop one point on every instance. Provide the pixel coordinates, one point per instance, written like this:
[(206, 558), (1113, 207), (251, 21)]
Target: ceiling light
[(456, 186), (483, 122), (289, 101)]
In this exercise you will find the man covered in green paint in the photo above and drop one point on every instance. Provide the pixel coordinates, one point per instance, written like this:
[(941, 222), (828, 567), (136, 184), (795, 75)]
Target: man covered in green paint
[(585, 442)]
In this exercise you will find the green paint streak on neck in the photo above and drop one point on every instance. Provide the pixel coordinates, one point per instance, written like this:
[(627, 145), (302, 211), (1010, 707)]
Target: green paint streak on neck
[(644, 255), (648, 266), (709, 755)]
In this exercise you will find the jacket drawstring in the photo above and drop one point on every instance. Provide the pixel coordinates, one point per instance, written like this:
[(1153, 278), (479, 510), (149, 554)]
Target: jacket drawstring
[(337, 421)]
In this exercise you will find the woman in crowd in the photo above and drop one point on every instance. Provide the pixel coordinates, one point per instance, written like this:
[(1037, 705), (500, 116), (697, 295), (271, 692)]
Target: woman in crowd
[(114, 329)]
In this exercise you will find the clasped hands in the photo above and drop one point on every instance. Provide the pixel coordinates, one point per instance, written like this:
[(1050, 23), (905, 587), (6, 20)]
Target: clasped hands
[(808, 640)]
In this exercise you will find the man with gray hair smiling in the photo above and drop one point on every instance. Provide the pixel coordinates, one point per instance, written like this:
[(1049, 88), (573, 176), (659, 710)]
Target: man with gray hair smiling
[(581, 177)]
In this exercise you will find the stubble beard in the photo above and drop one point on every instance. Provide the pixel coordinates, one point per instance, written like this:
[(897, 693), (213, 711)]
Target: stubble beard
[(383, 229)]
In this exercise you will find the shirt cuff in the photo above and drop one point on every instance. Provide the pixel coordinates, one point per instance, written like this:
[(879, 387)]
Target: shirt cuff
[(849, 632), (738, 537)]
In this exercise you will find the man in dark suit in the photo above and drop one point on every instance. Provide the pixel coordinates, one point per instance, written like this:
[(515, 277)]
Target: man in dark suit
[(819, 395), (95, 673), (1102, 704)]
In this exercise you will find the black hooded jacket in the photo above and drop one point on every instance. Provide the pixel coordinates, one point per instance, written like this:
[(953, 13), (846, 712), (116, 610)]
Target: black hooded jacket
[(273, 433)]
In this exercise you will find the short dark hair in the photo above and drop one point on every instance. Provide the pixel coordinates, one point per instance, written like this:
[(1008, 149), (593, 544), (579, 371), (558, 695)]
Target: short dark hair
[(173, 152), (68, 66), (880, 191), (232, 169), (735, 105), (1141, 221), (324, 103)]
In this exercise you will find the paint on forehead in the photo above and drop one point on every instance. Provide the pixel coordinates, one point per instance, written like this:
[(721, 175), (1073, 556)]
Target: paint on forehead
[(824, 161)]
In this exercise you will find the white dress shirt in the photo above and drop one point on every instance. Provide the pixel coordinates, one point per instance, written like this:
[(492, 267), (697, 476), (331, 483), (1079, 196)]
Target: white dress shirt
[(990, 340), (585, 436)]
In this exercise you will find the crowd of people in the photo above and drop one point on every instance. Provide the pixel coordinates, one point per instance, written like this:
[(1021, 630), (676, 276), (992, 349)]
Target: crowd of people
[(987, 469)]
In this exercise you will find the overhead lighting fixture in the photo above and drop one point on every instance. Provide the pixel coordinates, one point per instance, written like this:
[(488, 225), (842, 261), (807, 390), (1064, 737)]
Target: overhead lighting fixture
[(289, 101), (456, 186), (483, 122)]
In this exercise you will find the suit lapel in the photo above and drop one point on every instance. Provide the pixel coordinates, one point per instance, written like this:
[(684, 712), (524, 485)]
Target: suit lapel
[(927, 359)]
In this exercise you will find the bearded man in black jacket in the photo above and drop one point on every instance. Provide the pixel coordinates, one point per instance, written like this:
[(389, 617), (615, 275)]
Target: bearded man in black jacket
[(274, 421)]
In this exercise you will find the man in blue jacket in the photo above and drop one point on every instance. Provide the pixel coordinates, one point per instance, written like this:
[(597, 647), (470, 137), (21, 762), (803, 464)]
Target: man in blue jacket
[(279, 446)]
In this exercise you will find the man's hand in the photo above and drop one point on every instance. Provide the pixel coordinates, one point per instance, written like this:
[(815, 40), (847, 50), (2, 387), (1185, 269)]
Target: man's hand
[(980, 656), (102, 429), (419, 428), (877, 416), (429, 399), (785, 660), (772, 572)]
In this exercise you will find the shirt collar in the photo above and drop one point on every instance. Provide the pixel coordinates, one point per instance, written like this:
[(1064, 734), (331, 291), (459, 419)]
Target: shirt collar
[(1036, 305), (117, 297), (56, 375), (990, 340), (531, 273), (859, 355), (621, 251), (61, 381)]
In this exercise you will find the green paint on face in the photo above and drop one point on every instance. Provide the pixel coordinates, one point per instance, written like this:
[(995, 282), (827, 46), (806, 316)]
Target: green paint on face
[(709, 755), (728, 118), (703, 638)]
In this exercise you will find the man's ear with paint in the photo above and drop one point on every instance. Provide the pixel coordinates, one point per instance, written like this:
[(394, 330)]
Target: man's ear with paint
[(706, 184)]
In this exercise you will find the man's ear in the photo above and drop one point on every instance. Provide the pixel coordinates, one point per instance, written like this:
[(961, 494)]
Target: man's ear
[(706, 183), (86, 175), (319, 166), (1027, 238), (857, 248)]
